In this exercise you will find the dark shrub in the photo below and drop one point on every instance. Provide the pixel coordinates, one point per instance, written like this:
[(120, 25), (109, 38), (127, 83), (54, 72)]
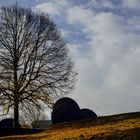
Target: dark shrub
[(86, 114), (41, 123), (7, 123), (64, 110)]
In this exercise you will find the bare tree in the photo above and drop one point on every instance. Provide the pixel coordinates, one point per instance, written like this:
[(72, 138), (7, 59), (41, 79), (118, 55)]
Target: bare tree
[(35, 67)]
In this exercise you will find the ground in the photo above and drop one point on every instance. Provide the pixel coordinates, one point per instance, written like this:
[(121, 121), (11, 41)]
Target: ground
[(115, 127)]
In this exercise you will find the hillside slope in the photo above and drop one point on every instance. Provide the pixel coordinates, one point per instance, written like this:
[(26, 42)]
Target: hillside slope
[(115, 127)]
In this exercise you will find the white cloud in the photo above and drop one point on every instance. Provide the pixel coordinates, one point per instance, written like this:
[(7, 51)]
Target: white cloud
[(95, 3), (107, 4), (53, 8), (101, 4), (79, 15), (65, 33), (48, 7), (109, 79), (133, 4)]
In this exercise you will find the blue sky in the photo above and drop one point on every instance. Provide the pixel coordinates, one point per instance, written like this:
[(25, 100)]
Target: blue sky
[(104, 41)]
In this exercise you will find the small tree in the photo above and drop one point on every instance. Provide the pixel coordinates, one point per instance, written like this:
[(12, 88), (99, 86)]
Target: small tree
[(32, 115), (35, 67)]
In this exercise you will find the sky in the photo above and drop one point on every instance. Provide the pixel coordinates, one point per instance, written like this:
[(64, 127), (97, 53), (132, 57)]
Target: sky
[(103, 37)]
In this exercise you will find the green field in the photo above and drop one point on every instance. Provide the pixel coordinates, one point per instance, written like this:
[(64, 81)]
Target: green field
[(115, 127)]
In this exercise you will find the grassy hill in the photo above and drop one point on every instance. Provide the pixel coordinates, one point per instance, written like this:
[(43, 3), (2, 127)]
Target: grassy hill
[(115, 127)]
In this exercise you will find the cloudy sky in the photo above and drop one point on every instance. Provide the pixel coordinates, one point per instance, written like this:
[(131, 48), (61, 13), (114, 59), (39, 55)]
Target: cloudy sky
[(104, 41)]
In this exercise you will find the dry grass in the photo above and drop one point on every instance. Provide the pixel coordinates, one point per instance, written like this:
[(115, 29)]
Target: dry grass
[(117, 127)]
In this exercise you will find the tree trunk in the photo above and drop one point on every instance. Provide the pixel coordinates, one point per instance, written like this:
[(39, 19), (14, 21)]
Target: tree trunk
[(16, 114)]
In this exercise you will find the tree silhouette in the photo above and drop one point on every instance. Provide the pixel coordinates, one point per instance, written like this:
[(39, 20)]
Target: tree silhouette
[(35, 67)]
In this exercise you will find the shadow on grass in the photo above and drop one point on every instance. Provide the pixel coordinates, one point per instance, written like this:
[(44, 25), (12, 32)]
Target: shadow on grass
[(18, 131)]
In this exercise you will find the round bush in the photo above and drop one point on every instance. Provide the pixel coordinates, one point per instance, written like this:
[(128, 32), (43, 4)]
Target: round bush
[(6, 123), (64, 110), (86, 114)]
